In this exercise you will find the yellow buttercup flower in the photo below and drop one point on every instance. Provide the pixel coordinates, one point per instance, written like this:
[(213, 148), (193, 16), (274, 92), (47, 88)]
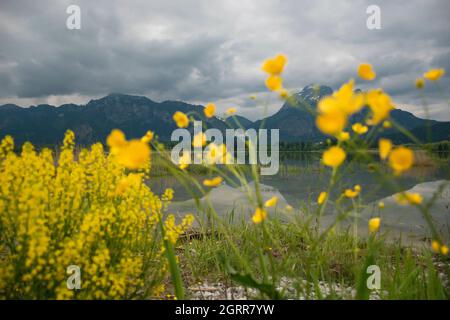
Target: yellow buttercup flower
[(274, 83), (434, 74), (259, 216), (135, 155), (343, 136), (271, 202), (347, 100), (420, 83), (444, 250), (148, 137), (231, 111), (384, 146), (322, 197), (365, 71), (181, 119), (333, 157), (401, 159), (381, 205), (380, 105), (212, 182), (334, 110), (359, 128), (435, 246), (116, 140), (374, 225), (209, 110), (349, 193), (406, 198), (387, 124), (331, 123), (275, 65), (199, 140)]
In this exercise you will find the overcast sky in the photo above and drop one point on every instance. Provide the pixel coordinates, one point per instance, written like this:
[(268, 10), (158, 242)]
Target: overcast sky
[(211, 51)]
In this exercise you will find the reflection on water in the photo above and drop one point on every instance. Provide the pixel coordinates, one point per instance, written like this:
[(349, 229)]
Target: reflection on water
[(409, 220), (301, 178)]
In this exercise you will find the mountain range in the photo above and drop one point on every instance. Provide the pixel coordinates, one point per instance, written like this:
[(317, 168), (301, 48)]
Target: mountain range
[(44, 125)]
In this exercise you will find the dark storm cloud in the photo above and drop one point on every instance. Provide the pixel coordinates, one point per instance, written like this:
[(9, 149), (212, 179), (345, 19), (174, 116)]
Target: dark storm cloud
[(202, 51)]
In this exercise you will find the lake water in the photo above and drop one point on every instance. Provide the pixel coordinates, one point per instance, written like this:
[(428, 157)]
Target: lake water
[(301, 178)]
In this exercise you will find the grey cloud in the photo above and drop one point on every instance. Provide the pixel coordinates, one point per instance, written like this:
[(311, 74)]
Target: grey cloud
[(201, 51)]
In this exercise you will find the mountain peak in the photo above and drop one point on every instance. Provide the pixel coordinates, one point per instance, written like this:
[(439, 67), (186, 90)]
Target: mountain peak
[(314, 92), (120, 98)]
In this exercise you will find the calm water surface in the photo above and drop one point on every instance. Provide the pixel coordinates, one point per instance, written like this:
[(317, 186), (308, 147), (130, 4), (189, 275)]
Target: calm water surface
[(300, 180)]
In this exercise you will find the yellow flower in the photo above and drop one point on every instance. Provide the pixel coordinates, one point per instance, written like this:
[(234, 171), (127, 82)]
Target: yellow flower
[(148, 137), (381, 205), (401, 159), (130, 180), (231, 111), (216, 154), (420, 83), (259, 215), (365, 71), (212, 182), (322, 197), (332, 123), (199, 140), (434, 74), (135, 155), (209, 110), (288, 208), (435, 246), (271, 202), (344, 100), (275, 65), (284, 93), (116, 140), (347, 100), (409, 198), (274, 83), (181, 119), (334, 110), (184, 161), (387, 124), (444, 250), (349, 193), (333, 157), (343, 136), (380, 104), (359, 128), (374, 225), (384, 146)]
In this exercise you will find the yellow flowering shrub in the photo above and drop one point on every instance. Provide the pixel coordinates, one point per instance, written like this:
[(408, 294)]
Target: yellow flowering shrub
[(85, 210)]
